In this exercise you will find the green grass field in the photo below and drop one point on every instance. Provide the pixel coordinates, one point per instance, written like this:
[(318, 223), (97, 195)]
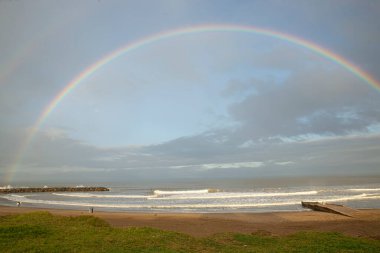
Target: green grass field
[(43, 232)]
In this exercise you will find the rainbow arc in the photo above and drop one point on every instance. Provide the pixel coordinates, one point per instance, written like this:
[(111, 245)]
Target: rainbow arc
[(87, 72)]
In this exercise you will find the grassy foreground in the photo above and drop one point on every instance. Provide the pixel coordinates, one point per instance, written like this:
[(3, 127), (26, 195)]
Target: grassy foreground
[(43, 232)]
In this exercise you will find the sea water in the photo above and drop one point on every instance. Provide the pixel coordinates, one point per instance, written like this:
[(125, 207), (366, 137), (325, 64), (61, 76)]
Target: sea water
[(195, 198)]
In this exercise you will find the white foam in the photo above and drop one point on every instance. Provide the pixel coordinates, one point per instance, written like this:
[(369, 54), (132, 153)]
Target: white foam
[(160, 192), (194, 194), (23, 199), (234, 195), (6, 187), (364, 189), (90, 195), (354, 197)]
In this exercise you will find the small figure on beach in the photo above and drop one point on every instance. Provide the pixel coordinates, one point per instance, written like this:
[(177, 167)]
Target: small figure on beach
[(91, 210), (18, 203)]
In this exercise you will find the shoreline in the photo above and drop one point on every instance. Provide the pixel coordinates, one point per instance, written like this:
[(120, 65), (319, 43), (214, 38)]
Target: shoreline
[(365, 224)]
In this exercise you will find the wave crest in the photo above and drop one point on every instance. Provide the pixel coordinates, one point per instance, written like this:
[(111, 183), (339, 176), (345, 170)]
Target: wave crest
[(238, 195), (364, 189), (91, 195), (161, 192)]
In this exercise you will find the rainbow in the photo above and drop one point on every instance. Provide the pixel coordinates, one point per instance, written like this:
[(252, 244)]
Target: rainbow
[(359, 73)]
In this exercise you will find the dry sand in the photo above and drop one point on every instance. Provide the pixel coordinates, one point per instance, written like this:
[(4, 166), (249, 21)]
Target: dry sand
[(365, 224)]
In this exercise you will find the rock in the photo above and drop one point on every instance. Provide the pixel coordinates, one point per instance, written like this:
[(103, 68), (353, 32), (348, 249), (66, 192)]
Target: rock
[(54, 189)]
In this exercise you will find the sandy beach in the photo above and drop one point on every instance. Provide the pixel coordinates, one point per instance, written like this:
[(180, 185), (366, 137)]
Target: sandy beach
[(365, 224)]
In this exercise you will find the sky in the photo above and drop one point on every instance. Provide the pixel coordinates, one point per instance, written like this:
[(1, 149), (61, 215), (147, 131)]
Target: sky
[(216, 104)]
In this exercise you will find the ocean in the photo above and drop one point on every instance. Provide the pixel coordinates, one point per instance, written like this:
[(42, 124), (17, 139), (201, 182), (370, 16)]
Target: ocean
[(222, 196)]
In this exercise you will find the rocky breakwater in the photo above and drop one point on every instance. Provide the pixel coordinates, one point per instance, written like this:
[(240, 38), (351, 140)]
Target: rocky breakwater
[(54, 189)]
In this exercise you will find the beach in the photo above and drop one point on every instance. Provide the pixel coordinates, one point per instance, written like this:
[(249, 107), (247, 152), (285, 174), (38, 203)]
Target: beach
[(202, 212), (365, 224)]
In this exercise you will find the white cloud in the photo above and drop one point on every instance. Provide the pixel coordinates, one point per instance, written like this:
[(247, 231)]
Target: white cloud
[(284, 163), (236, 165)]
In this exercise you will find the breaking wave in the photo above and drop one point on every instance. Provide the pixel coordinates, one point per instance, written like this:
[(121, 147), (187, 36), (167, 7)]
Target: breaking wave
[(191, 194), (364, 189), (6, 187), (235, 195), (160, 192), (134, 206), (90, 195)]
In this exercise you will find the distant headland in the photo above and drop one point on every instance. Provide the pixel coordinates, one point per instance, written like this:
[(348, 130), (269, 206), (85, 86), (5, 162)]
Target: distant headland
[(53, 189)]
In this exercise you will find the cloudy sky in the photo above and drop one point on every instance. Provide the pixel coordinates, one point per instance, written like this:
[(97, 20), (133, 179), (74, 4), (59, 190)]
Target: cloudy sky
[(197, 105)]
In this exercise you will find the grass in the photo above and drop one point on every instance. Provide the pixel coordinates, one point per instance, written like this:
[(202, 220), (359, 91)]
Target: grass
[(43, 232)]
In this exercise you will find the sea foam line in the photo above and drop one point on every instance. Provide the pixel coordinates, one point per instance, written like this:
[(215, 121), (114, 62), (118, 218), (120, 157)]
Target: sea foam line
[(203, 195), (89, 195), (364, 189), (241, 195), (160, 192), (178, 206)]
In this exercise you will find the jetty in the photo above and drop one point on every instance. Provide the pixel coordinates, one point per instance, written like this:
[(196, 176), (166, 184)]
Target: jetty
[(53, 189), (330, 208)]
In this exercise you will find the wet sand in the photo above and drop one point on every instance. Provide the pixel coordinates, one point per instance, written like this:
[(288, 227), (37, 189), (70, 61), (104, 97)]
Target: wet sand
[(365, 224)]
